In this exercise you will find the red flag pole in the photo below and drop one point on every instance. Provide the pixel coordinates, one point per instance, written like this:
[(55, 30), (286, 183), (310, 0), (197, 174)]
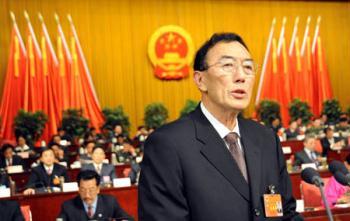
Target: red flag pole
[(267, 54), (317, 30), (80, 51), (306, 33), (281, 38), (294, 35)]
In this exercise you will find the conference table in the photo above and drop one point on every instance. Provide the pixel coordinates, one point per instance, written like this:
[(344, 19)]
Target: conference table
[(46, 206)]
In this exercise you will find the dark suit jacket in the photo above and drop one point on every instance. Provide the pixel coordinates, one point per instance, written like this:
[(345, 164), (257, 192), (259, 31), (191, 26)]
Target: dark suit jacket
[(16, 160), (107, 170), (4, 179), (10, 211), (302, 157), (39, 178), (107, 207), (326, 146), (188, 173)]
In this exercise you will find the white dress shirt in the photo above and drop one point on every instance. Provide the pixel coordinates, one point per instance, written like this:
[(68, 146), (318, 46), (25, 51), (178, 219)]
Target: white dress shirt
[(220, 128)]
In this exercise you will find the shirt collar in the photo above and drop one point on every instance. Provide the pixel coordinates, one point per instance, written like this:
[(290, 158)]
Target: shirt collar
[(93, 205), (96, 165), (218, 126), (47, 168)]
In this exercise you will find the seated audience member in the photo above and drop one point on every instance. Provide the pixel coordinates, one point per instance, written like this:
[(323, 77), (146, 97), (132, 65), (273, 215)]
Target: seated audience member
[(308, 154), (276, 124), (343, 129), (292, 132), (8, 158), (329, 142), (118, 130), (106, 171), (47, 174), (335, 192), (127, 154), (90, 204), (64, 136), (60, 155), (22, 146), (85, 158), (10, 211), (105, 136), (140, 137), (324, 120)]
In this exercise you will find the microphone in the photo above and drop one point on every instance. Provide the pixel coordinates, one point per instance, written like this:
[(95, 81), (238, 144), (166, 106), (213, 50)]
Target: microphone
[(336, 165), (342, 179), (340, 172), (311, 176)]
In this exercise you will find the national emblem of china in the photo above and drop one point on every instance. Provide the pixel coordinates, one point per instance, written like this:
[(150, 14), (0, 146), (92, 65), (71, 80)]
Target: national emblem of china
[(170, 50)]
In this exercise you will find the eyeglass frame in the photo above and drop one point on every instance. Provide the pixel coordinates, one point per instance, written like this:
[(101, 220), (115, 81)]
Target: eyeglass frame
[(238, 62)]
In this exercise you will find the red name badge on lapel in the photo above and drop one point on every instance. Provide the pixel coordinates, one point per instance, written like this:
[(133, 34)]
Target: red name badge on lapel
[(273, 203)]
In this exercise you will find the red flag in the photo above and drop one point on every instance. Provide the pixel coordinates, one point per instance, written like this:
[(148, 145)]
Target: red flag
[(50, 93), (65, 64), (12, 97), (306, 68), (283, 83), (322, 84), (269, 89), (296, 69), (83, 82), (275, 84), (33, 78)]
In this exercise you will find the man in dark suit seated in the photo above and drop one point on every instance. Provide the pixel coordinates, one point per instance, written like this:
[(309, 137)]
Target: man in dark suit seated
[(8, 158), (10, 211), (89, 204), (329, 142), (106, 171), (308, 154), (48, 174)]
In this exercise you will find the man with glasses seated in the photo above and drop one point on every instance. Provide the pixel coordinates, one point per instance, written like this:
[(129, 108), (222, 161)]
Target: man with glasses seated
[(90, 204)]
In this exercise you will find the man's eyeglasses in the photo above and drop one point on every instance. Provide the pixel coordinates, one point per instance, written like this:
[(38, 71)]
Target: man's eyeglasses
[(231, 65)]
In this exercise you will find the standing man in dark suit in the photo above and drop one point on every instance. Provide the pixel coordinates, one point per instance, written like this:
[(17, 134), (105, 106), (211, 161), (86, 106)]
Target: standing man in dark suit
[(89, 204), (8, 157), (308, 154), (10, 211), (46, 175), (106, 171), (211, 165)]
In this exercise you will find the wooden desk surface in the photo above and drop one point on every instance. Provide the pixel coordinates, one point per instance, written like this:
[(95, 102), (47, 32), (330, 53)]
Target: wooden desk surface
[(46, 206)]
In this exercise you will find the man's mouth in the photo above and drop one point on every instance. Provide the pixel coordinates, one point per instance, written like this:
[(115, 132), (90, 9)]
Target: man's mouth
[(238, 93)]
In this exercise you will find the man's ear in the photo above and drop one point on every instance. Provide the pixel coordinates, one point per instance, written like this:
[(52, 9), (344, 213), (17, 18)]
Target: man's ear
[(200, 80)]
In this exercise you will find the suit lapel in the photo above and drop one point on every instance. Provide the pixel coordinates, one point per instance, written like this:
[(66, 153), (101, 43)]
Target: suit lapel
[(216, 152), (46, 177), (252, 153), (99, 209), (81, 209)]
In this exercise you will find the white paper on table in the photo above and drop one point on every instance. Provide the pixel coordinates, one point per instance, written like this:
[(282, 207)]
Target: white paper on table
[(70, 187), (286, 150), (15, 169), (121, 182)]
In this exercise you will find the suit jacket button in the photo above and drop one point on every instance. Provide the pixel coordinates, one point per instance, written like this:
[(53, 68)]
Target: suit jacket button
[(257, 212)]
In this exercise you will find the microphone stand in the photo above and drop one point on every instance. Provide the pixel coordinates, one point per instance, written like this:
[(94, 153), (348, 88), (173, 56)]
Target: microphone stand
[(328, 210)]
